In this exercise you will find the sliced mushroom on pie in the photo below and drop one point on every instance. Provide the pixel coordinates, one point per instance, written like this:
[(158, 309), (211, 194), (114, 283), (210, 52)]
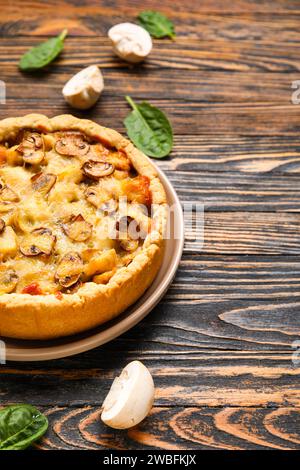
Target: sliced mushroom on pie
[(69, 269), (39, 242), (77, 228), (7, 194), (72, 144), (43, 182), (8, 280), (96, 169), (32, 148)]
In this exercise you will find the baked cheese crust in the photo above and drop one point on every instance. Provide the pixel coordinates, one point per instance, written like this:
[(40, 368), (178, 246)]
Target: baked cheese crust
[(82, 219)]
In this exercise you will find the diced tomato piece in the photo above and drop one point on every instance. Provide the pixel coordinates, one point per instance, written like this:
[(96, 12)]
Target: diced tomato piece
[(3, 154), (138, 190), (58, 295), (32, 289)]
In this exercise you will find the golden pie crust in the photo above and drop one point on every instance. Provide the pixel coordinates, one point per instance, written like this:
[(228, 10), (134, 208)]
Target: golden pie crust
[(98, 296)]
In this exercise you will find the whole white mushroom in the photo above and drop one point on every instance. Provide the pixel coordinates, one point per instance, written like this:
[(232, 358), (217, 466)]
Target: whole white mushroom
[(84, 89), (130, 41), (130, 398)]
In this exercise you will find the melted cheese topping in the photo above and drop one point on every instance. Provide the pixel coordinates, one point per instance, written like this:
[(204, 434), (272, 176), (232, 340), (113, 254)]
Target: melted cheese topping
[(57, 217)]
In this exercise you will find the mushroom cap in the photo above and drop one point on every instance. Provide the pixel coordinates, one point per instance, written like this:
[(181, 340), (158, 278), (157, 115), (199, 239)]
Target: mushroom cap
[(131, 42), (32, 148), (69, 269), (77, 228), (130, 398), (84, 88), (96, 169), (72, 144), (39, 241), (43, 182), (8, 279)]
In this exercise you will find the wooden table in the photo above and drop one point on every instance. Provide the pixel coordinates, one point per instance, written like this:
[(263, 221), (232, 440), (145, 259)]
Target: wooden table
[(219, 345)]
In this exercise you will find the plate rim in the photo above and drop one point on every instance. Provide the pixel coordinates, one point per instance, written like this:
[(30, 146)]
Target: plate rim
[(79, 346)]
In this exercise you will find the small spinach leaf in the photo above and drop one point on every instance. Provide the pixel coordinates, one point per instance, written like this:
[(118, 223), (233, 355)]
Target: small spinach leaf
[(41, 55), (157, 24), (20, 426), (149, 129)]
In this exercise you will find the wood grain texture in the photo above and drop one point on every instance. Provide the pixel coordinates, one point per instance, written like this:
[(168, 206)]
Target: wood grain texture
[(176, 429), (184, 53), (198, 101), (251, 20), (201, 277), (222, 344), (191, 119), (266, 156), (245, 233)]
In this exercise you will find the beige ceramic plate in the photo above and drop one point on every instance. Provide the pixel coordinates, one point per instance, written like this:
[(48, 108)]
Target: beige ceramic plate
[(17, 350)]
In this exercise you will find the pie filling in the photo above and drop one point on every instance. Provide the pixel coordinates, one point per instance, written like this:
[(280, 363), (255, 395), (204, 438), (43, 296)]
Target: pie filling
[(61, 220)]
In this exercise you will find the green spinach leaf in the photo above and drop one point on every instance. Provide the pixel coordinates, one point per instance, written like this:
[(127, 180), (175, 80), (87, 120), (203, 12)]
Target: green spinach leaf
[(20, 426), (149, 129), (157, 24), (41, 55)]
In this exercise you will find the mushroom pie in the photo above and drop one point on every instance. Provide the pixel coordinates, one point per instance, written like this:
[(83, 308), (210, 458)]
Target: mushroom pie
[(82, 218)]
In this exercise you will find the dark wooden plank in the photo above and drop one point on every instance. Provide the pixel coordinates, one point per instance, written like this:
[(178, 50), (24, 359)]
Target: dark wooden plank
[(235, 192), (182, 429), (214, 103), (184, 53), (207, 104), (192, 374), (202, 277), (259, 27), (233, 155), (200, 352), (245, 233), (186, 117), (193, 85), (262, 28), (275, 25)]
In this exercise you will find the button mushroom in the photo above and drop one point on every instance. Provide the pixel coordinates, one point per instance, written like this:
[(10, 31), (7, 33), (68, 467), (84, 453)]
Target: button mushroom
[(7, 198), (92, 196), (72, 144), (39, 241), (130, 398), (7, 194), (32, 148), (97, 169), (8, 280), (130, 41), (78, 229), (84, 89), (69, 269), (2, 225), (129, 245), (43, 182)]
